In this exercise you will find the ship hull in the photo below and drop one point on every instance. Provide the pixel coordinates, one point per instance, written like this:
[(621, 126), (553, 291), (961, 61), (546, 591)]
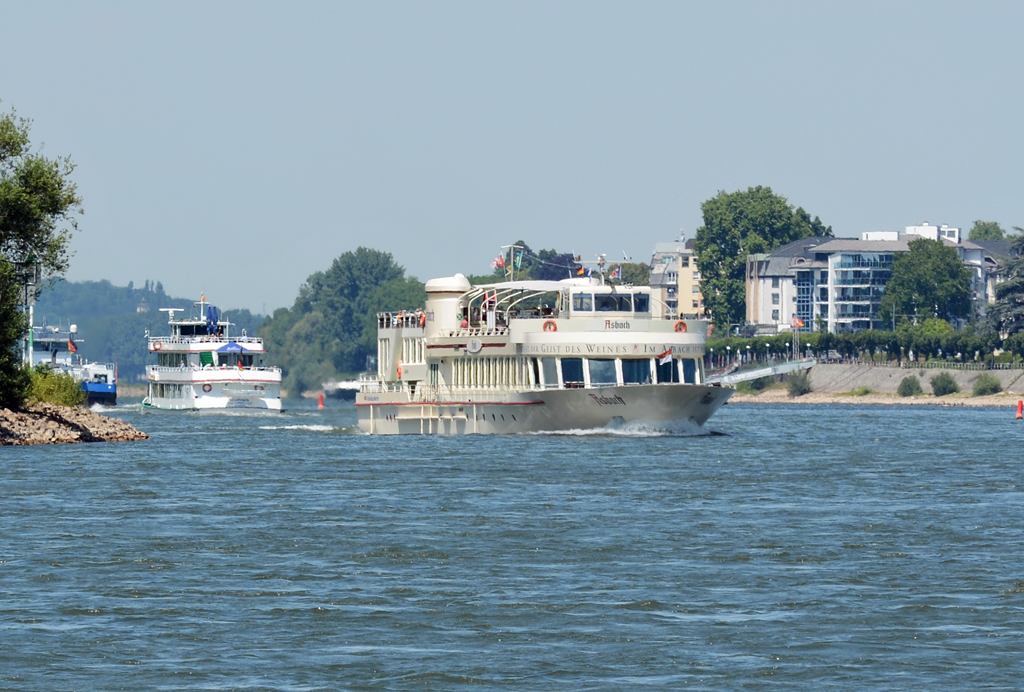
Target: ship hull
[(669, 407)]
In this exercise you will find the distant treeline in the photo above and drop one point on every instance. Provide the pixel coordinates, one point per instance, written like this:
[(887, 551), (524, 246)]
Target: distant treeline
[(110, 326)]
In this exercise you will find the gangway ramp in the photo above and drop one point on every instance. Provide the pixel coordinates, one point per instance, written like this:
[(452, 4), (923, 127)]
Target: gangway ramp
[(780, 369)]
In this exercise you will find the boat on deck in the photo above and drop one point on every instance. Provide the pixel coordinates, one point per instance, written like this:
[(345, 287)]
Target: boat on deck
[(200, 365), (531, 356)]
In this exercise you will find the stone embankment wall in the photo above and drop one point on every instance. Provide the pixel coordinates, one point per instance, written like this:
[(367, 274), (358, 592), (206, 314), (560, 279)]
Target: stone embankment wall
[(49, 424), (836, 377)]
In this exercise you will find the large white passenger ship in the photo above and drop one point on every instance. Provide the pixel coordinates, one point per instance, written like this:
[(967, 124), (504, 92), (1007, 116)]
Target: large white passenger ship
[(201, 366), (525, 356)]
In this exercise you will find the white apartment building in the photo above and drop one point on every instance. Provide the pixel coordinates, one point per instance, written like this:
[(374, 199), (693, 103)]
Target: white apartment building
[(838, 283)]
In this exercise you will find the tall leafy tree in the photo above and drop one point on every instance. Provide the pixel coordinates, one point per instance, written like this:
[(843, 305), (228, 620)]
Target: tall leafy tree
[(737, 224), (14, 379), (1007, 315), (38, 204), (929, 280), (331, 329), (986, 230)]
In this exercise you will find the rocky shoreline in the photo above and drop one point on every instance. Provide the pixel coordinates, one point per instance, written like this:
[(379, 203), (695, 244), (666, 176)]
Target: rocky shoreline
[(42, 423)]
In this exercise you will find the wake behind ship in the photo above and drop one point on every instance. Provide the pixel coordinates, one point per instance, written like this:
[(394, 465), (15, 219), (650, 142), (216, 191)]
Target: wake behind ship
[(528, 356)]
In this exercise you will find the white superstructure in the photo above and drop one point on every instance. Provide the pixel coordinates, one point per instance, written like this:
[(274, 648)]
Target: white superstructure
[(526, 356), (200, 366)]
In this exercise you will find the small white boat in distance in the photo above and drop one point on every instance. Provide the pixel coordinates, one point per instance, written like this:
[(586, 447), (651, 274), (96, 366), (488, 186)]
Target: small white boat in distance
[(526, 356), (201, 366)]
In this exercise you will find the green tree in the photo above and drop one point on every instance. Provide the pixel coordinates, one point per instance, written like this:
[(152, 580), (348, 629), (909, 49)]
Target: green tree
[(331, 328), (928, 280), (38, 203), (1007, 315), (738, 224), (14, 378), (986, 230)]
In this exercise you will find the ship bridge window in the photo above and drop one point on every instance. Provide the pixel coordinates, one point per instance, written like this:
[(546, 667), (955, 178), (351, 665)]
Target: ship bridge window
[(602, 371), (613, 303), (635, 371), (572, 373), (583, 302), (641, 302)]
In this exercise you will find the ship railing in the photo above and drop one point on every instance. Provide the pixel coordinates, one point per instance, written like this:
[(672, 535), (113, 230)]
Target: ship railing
[(211, 368), (403, 319), (207, 339), (476, 332)]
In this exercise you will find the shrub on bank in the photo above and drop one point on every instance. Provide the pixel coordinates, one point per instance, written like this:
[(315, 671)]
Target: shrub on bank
[(799, 383), (55, 387), (943, 384), (987, 385), (909, 386)]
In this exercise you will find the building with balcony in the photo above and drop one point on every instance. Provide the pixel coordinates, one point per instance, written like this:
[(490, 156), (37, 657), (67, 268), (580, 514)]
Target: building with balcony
[(675, 280), (837, 283)]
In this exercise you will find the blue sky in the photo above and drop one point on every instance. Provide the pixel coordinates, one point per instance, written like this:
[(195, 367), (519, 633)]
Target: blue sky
[(237, 147)]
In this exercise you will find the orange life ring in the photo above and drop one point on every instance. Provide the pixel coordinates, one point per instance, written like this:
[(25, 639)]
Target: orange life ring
[(550, 326), (680, 326), (207, 388), (399, 371), (157, 345)]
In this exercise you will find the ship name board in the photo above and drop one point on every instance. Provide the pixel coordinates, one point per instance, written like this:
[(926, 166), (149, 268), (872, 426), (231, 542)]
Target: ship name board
[(611, 349), (617, 324)]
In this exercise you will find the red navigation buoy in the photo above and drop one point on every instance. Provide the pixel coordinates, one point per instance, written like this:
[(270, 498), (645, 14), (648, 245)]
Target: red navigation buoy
[(1020, 409), (320, 402)]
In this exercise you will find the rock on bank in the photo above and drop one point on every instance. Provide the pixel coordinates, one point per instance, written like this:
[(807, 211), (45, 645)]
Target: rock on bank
[(49, 424)]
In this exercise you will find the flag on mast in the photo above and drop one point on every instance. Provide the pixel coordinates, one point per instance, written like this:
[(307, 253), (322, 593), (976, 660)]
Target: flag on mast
[(665, 358)]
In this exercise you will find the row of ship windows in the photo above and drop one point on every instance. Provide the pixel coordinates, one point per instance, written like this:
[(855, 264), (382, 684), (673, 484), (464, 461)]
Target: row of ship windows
[(572, 373), (588, 302), (169, 391)]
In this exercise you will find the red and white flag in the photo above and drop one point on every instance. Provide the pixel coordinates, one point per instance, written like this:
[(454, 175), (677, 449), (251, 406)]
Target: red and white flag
[(665, 358)]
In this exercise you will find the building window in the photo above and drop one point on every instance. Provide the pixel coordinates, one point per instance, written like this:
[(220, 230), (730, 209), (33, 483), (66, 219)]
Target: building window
[(684, 261), (696, 304), (775, 315), (775, 282), (775, 299), (696, 276), (696, 289)]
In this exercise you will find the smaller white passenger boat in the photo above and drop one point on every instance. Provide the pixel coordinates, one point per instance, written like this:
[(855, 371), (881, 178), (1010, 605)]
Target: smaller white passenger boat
[(201, 366)]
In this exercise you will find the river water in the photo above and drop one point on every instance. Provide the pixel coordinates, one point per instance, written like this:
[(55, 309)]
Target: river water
[(836, 547)]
